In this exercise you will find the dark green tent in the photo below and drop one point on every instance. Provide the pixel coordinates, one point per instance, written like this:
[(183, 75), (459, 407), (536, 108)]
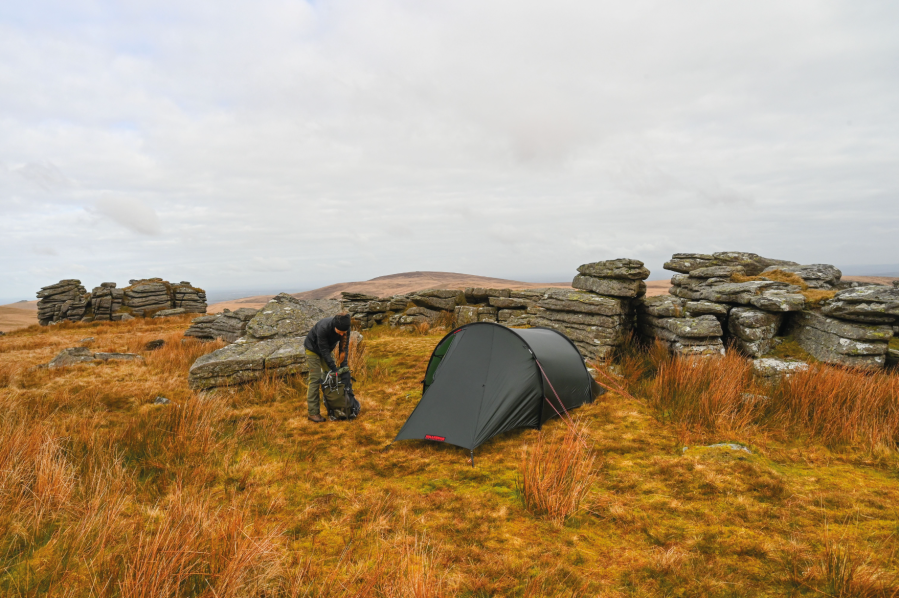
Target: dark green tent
[(484, 379)]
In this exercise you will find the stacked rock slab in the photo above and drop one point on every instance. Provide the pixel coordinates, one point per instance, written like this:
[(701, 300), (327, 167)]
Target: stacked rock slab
[(596, 324), (832, 340), (369, 310), (598, 315), (753, 331), (273, 344), (752, 264), (65, 300), (189, 298), (106, 300), (143, 297), (503, 306), (686, 327), (228, 325)]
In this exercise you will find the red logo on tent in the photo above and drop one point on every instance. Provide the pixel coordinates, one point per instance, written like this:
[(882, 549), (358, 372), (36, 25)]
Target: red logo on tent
[(437, 438)]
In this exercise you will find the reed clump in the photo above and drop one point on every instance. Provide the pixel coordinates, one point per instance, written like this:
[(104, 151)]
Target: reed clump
[(555, 475)]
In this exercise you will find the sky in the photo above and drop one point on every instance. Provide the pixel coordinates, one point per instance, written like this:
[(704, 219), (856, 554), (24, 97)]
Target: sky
[(282, 145)]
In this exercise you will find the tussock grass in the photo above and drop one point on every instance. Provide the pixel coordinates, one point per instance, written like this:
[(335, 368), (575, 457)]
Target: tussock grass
[(555, 476), (235, 493)]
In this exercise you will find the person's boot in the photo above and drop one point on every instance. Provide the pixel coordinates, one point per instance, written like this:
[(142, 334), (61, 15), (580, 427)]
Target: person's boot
[(316, 418)]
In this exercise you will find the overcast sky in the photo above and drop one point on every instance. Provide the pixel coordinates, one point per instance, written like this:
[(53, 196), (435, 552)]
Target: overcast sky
[(284, 145)]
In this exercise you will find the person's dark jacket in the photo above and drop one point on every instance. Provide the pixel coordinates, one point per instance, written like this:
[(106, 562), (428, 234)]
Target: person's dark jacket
[(322, 339)]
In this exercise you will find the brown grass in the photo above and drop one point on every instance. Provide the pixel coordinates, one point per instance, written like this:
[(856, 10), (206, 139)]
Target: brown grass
[(555, 476), (235, 492)]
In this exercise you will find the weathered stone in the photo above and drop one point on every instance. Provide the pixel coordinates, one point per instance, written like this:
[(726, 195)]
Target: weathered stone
[(816, 276), (646, 328), (287, 316), (167, 313), (504, 314), (362, 297), (837, 344), (154, 345), (600, 353), (618, 268), (65, 300), (752, 263), (592, 335), (583, 319), (779, 301), (487, 317), (73, 356), (581, 301), (850, 330), (714, 348), (751, 324), (693, 309), (662, 306), (754, 348), (487, 311), (429, 314), (235, 364), (831, 348), (437, 303), (480, 295), (465, 314), (161, 401), (717, 272), (701, 327), (532, 294), (770, 367), (615, 287), (511, 303), (441, 293), (875, 304), (126, 317)]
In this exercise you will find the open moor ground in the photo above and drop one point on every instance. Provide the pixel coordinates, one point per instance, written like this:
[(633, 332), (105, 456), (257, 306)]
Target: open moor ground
[(235, 493)]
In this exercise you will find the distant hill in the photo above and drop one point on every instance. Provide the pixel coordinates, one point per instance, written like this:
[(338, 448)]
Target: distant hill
[(394, 284)]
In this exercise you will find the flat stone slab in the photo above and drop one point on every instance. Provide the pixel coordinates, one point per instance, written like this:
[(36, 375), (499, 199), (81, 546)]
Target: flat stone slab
[(286, 316), (614, 287), (844, 329), (771, 367), (618, 268), (245, 361), (585, 302), (167, 313)]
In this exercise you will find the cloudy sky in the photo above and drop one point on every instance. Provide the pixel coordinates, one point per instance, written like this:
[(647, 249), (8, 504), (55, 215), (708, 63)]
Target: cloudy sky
[(286, 144)]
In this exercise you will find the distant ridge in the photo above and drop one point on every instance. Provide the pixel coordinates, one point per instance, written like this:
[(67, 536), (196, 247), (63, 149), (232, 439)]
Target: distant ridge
[(395, 284)]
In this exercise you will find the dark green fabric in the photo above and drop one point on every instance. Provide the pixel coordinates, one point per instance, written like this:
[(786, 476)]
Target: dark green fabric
[(487, 382), (567, 375)]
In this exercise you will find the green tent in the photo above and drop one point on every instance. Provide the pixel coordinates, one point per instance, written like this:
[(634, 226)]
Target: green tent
[(484, 379)]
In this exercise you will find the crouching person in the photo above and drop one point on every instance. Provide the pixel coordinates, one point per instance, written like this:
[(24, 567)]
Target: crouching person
[(320, 342)]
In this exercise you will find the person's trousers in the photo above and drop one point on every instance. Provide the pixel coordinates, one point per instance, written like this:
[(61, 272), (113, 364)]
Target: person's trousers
[(317, 371)]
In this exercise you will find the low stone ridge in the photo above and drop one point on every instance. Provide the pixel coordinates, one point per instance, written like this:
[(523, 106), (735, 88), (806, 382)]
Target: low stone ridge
[(273, 343), (82, 355), (770, 367), (68, 300), (167, 313), (228, 325), (874, 304), (753, 264)]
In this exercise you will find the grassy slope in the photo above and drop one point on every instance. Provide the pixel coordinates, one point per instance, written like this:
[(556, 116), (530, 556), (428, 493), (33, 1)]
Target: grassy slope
[(259, 498)]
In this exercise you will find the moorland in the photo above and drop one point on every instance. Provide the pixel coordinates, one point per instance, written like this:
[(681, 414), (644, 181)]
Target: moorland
[(103, 492)]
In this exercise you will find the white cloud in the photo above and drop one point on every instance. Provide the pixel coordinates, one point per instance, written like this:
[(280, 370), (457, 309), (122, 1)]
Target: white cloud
[(131, 213), (514, 137)]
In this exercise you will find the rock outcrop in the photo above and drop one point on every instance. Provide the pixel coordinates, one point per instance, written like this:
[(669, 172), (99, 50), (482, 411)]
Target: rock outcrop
[(596, 324), (65, 300), (68, 300), (751, 263), (842, 342), (228, 325), (273, 344), (686, 327)]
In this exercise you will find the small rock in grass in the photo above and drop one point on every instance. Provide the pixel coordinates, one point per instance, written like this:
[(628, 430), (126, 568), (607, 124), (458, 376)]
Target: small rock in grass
[(153, 345), (87, 340), (161, 401), (126, 317)]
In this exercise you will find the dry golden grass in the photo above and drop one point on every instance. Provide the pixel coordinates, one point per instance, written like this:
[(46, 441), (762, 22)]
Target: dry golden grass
[(235, 493)]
